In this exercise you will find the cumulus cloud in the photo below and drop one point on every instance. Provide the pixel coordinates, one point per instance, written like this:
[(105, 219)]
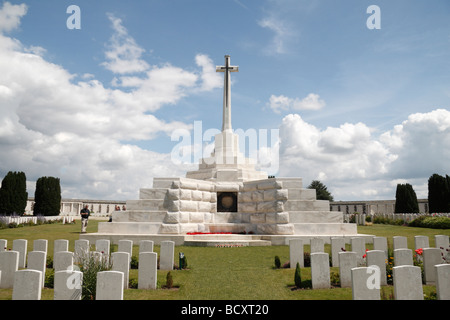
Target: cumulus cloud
[(52, 126), (124, 54), (10, 15), (357, 164), (283, 103)]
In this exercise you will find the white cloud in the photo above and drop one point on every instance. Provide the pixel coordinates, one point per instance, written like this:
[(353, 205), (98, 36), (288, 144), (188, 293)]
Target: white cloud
[(10, 15), (283, 103), (355, 164), (281, 33), (124, 54), (51, 126), (209, 76)]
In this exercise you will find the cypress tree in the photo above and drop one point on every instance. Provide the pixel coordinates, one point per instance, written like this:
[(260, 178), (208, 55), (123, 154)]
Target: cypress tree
[(13, 194), (47, 197), (406, 199), (439, 194)]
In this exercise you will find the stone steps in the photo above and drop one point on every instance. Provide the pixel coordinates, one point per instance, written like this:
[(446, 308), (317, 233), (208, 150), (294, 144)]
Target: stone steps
[(315, 216), (307, 205)]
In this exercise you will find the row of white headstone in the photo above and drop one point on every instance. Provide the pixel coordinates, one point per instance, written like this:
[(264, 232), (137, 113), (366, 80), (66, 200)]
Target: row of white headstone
[(358, 267), (27, 283)]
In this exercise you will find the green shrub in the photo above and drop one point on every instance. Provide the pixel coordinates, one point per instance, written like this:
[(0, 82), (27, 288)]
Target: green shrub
[(49, 278), (297, 276), (134, 264), (436, 222), (277, 262), (169, 280)]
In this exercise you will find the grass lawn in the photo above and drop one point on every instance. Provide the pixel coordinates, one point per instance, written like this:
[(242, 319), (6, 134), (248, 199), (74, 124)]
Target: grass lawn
[(244, 273)]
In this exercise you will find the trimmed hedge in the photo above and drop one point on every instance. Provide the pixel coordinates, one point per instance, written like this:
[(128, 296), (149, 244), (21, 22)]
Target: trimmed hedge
[(435, 222)]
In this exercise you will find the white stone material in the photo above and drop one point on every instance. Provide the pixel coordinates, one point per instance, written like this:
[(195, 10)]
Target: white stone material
[(81, 250), (126, 246), (400, 242), (347, 261), (3, 245), (20, 245), (121, 262), (67, 285), (380, 243), (37, 260), (359, 246), (337, 244), (109, 285), (296, 253), (317, 245), (360, 288), (403, 257), (407, 283), (167, 255), (320, 270), (421, 242), (40, 245), (61, 245), (9, 264), (63, 260), (378, 258), (103, 246), (27, 285), (147, 273), (431, 257), (443, 281)]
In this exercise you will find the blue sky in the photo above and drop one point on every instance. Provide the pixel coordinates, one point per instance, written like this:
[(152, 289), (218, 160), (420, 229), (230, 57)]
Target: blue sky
[(359, 109)]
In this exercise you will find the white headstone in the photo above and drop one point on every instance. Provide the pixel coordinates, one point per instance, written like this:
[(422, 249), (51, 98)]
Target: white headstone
[(347, 261), (9, 264), (60, 245), (63, 260), (400, 242), (317, 245), (362, 288), (102, 245), (20, 245), (109, 285), (380, 243), (320, 270), (431, 257), (37, 260), (378, 258), (337, 244), (40, 245), (443, 281), (81, 250), (126, 246), (145, 246), (121, 262), (3, 244), (67, 285), (27, 285), (421, 242), (403, 257), (147, 274), (407, 283), (167, 255), (359, 246), (296, 253)]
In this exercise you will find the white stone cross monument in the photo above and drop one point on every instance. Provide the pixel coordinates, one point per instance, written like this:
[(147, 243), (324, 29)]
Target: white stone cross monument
[(226, 124), (226, 194)]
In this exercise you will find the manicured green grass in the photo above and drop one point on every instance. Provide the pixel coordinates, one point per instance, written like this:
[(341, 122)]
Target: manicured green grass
[(244, 273)]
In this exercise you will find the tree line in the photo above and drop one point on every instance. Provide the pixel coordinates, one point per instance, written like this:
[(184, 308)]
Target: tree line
[(14, 195)]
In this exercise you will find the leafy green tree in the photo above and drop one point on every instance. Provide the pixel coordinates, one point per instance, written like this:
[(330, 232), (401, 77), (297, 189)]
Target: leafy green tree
[(321, 190), (13, 193), (406, 199), (47, 197), (439, 193)]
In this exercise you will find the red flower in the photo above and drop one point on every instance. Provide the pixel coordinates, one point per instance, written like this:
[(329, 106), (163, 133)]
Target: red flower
[(419, 251)]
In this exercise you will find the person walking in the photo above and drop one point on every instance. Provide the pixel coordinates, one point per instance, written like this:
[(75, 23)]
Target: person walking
[(85, 213)]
